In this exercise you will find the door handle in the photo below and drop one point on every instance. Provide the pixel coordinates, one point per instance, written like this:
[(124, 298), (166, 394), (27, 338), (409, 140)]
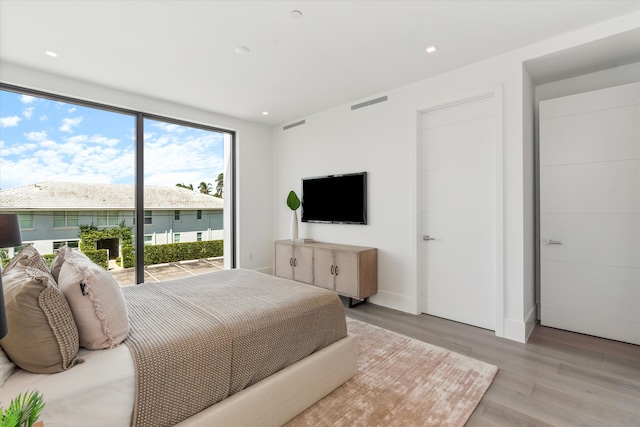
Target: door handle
[(552, 242), (428, 238)]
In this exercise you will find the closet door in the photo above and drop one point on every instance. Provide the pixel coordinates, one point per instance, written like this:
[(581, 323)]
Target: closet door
[(590, 213)]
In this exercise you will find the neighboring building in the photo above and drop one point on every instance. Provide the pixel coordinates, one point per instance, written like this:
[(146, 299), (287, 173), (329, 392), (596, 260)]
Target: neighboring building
[(51, 212)]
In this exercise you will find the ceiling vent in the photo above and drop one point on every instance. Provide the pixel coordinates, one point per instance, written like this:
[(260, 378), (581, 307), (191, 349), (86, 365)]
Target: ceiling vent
[(292, 125), (370, 102)]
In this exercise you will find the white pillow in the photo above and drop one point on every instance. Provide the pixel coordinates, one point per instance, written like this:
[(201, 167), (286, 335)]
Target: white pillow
[(6, 367), (96, 301)]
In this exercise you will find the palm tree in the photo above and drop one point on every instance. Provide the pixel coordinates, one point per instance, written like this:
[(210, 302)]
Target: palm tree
[(219, 185), (188, 187), (205, 188)]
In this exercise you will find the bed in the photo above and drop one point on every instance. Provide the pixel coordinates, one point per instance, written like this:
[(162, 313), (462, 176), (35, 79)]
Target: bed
[(272, 370)]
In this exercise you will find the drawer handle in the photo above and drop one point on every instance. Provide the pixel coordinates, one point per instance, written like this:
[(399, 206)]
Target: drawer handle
[(291, 262), (336, 270), (295, 262), (332, 269)]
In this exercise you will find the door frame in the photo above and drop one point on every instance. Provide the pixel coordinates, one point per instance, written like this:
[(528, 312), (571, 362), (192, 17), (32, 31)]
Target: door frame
[(496, 93)]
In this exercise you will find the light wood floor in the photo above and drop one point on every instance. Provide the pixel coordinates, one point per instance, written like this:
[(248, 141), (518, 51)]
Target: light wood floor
[(557, 378)]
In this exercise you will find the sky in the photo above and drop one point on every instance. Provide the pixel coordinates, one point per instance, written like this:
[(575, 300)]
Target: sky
[(47, 140)]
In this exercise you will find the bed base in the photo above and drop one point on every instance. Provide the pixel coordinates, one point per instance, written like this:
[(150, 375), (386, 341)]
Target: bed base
[(287, 393)]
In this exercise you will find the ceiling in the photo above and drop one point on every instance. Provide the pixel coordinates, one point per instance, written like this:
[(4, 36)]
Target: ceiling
[(335, 53)]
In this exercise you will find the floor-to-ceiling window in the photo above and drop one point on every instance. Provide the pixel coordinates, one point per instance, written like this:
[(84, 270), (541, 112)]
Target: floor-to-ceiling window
[(68, 167)]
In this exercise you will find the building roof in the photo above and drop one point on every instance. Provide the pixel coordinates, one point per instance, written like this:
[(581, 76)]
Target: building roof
[(53, 195)]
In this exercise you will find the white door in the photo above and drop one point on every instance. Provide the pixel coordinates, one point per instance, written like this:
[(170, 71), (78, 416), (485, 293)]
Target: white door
[(458, 212), (590, 213)]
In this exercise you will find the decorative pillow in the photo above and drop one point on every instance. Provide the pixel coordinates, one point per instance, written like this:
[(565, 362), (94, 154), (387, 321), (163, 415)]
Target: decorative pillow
[(27, 257), (56, 264), (42, 337), (96, 301), (6, 367)]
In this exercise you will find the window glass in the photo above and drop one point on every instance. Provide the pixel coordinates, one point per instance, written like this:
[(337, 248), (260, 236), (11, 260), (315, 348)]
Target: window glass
[(80, 154), (58, 219), (26, 220), (184, 174), (74, 156)]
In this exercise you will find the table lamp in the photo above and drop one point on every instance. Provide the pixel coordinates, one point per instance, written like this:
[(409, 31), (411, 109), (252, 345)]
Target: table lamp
[(9, 237)]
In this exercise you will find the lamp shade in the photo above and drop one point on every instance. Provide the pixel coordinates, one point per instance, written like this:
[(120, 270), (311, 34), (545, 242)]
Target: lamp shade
[(9, 231), (9, 237)]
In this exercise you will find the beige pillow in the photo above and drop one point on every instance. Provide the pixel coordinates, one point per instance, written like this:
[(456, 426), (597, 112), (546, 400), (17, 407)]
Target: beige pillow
[(42, 336), (56, 264), (96, 301), (27, 257)]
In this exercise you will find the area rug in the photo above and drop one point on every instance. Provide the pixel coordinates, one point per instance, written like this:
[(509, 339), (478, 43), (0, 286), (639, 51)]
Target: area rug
[(402, 382)]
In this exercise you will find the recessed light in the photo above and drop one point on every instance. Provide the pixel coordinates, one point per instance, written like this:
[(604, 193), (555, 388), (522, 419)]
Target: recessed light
[(295, 14), (431, 49), (265, 113), (242, 50), (51, 54)]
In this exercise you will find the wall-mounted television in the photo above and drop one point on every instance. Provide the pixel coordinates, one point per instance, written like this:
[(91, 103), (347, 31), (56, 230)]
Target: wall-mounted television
[(335, 199)]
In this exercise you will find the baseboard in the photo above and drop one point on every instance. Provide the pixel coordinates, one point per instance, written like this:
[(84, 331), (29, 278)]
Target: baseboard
[(395, 301), (518, 330), (531, 321), (515, 330)]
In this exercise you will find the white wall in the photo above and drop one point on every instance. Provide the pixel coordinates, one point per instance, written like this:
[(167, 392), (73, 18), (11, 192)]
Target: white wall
[(381, 139), (253, 170)]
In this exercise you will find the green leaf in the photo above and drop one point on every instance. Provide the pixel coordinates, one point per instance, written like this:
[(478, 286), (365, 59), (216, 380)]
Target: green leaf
[(293, 201), (24, 410)]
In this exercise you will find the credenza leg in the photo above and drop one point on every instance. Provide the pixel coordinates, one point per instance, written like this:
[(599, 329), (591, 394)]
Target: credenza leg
[(351, 304)]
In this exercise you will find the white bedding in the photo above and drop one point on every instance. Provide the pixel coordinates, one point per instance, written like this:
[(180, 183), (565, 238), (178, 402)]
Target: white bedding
[(103, 386), (102, 390)]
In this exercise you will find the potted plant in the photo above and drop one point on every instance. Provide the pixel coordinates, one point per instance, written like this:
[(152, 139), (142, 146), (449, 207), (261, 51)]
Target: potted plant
[(23, 411), (294, 203)]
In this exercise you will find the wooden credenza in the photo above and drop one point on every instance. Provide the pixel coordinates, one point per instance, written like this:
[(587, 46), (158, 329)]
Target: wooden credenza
[(351, 271)]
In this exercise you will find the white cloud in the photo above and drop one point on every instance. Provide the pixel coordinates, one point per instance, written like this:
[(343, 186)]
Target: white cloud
[(71, 110), (43, 118), (189, 160), (103, 140), (69, 123), (27, 99), (10, 121), (28, 112), (76, 139), (169, 127), (7, 150), (36, 136)]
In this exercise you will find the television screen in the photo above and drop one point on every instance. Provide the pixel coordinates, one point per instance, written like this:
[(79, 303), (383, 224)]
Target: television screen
[(338, 199)]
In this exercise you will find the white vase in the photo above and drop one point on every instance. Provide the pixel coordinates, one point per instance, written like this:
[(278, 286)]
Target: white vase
[(294, 226)]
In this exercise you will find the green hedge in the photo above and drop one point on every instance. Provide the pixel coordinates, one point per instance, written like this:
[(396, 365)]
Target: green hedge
[(153, 254), (98, 256), (174, 252), (128, 253)]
